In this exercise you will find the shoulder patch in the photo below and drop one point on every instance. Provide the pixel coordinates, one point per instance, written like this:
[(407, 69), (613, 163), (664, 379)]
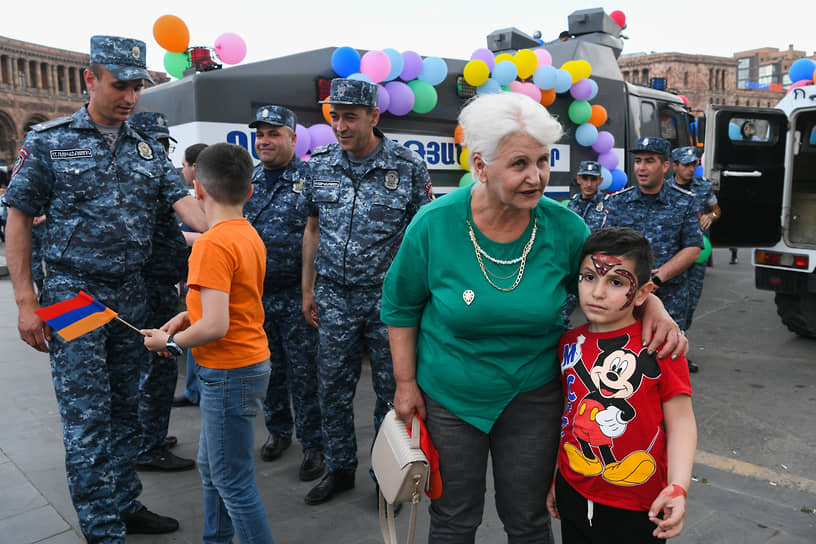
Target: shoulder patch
[(45, 125), (622, 191), (680, 189), (322, 150)]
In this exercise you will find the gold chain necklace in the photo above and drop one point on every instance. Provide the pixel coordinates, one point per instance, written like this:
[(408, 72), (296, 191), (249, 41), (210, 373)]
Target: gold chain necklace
[(521, 260)]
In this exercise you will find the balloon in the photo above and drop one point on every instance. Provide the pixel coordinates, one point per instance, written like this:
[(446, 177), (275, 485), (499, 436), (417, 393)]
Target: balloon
[(564, 202), (485, 55), (506, 88), (699, 172), (543, 56), (586, 135), (598, 116), (579, 111), (604, 142), (606, 174), (320, 134), (594, 89), (702, 160), (401, 97), (547, 97), (609, 159), (345, 61), (705, 253), (476, 72), (304, 140), (383, 98), (563, 81), (526, 61), (528, 89), (504, 72), (397, 63), (171, 33), (503, 56), (466, 179), (619, 18), (802, 69), (800, 83), (491, 86), (425, 96), (459, 135), (544, 77), (230, 48), (463, 158), (605, 183), (360, 77), (578, 69), (684, 99), (618, 182), (581, 90), (327, 111), (376, 65), (412, 65), (176, 63), (434, 70)]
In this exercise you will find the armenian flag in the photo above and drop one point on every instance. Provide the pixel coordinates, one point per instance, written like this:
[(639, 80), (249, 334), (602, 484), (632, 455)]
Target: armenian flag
[(74, 317)]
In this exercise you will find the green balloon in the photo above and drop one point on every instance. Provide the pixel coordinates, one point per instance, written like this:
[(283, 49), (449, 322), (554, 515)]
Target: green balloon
[(706, 251), (425, 96), (580, 111), (176, 63), (506, 88), (565, 203), (466, 180)]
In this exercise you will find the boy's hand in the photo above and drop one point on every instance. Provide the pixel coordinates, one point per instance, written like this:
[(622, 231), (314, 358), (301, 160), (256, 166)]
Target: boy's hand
[(672, 503), (156, 340), (551, 504)]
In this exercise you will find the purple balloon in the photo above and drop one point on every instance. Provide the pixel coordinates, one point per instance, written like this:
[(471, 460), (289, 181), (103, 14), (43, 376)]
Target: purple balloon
[(581, 90), (321, 134), (304, 140), (609, 160), (401, 97), (486, 55), (383, 98), (412, 67), (604, 142)]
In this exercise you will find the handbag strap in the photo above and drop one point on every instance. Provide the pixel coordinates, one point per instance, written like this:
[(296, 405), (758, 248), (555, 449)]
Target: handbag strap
[(388, 523)]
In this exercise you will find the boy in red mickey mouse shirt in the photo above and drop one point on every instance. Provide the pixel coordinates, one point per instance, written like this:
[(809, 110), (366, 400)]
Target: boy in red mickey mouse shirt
[(628, 431)]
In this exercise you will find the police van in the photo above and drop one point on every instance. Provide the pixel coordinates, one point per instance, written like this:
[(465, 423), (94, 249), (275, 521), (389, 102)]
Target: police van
[(216, 105), (762, 164)]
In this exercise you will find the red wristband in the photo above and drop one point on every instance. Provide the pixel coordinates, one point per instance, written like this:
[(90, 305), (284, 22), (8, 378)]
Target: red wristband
[(677, 490)]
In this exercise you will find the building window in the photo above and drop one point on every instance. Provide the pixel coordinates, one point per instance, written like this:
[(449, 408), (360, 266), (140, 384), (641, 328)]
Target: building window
[(743, 72), (685, 79), (644, 76), (768, 74)]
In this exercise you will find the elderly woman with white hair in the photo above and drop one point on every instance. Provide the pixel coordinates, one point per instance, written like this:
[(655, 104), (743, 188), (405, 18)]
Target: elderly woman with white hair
[(472, 305)]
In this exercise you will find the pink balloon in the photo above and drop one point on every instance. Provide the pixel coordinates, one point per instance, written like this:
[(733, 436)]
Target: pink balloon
[(376, 65), (800, 83), (604, 142), (230, 48), (529, 89), (544, 57), (609, 160), (383, 98), (320, 134), (515, 86), (304, 140)]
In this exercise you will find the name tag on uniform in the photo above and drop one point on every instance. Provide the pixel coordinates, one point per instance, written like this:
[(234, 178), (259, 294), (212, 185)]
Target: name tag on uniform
[(71, 154), (324, 184)]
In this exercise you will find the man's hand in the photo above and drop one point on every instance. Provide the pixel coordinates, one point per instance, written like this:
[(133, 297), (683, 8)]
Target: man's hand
[(310, 310), (33, 330)]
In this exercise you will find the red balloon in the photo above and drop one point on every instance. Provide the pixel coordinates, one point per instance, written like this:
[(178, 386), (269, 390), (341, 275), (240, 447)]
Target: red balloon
[(684, 99), (619, 17)]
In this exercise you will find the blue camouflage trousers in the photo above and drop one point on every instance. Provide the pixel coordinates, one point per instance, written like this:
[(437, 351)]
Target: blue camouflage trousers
[(96, 381), (350, 327), (674, 294), (696, 275), (293, 348), (157, 376)]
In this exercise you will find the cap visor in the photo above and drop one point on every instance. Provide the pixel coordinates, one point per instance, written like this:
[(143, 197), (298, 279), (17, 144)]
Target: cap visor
[(254, 124), (128, 73)]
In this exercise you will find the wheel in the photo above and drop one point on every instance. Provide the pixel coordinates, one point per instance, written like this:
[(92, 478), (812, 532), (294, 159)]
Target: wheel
[(798, 313)]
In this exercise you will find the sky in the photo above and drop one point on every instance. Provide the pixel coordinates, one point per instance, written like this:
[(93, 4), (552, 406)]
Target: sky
[(452, 29)]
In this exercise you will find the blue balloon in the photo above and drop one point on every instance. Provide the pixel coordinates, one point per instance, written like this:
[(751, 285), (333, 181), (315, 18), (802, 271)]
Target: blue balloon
[(802, 69), (345, 61), (491, 86), (544, 77), (699, 172), (618, 180), (563, 81), (397, 64), (594, 89), (586, 134), (360, 76), (606, 181), (505, 72), (434, 70), (606, 174)]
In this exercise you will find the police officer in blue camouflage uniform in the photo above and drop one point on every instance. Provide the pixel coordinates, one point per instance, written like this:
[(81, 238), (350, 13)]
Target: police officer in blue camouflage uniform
[(166, 267), (666, 215), (277, 182), (99, 182), (364, 191)]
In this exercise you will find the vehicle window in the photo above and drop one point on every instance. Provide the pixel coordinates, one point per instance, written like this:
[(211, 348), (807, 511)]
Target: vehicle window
[(745, 129)]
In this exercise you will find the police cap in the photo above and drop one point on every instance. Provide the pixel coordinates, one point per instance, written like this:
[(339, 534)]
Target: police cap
[(352, 91), (154, 123), (652, 145), (684, 155), (274, 115), (589, 168), (124, 58)]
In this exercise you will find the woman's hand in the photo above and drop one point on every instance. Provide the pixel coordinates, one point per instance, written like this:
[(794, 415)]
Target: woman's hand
[(408, 399)]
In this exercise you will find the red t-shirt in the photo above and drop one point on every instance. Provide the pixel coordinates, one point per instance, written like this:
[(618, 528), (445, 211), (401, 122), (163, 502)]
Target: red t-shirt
[(613, 442)]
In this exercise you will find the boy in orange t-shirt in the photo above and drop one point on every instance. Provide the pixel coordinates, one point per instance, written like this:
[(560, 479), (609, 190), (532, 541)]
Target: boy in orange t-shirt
[(224, 328)]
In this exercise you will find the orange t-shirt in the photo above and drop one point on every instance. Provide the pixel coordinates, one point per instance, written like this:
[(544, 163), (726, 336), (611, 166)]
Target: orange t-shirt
[(230, 257)]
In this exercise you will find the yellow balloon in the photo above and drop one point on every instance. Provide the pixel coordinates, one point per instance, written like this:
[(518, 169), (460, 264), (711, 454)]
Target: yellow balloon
[(578, 69), (526, 61), (503, 56), (463, 159), (476, 72)]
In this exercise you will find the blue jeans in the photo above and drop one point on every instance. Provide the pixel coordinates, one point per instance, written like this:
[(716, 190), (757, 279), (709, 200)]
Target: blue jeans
[(191, 383), (230, 400)]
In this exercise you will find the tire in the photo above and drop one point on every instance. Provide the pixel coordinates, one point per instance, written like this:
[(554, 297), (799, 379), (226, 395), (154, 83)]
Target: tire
[(798, 313)]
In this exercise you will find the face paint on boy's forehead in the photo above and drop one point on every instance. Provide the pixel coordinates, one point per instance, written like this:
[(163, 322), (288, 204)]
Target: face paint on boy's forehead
[(630, 294), (604, 263)]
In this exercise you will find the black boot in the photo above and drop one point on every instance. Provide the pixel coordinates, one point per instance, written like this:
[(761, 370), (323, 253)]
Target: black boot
[(146, 522), (312, 466), (333, 482)]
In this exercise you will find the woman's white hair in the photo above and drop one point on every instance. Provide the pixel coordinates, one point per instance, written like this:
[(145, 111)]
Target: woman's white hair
[(490, 118)]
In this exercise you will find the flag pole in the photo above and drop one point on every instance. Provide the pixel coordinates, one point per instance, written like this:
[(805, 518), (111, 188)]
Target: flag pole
[(129, 325)]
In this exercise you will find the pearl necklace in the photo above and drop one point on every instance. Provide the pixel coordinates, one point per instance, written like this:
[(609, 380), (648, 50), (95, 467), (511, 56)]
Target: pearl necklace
[(521, 261)]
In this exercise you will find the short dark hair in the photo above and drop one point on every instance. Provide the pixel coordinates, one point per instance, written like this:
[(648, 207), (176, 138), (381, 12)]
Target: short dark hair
[(96, 68), (191, 153), (225, 171), (622, 242)]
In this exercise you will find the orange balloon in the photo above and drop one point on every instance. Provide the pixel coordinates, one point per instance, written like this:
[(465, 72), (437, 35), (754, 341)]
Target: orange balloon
[(459, 135), (598, 116), (327, 111), (547, 97), (171, 33)]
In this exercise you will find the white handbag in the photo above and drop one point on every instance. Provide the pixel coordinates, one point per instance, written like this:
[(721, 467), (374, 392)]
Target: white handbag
[(401, 469)]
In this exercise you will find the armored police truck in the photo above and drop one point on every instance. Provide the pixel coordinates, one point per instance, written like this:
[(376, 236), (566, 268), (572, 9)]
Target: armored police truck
[(762, 164), (215, 105)]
